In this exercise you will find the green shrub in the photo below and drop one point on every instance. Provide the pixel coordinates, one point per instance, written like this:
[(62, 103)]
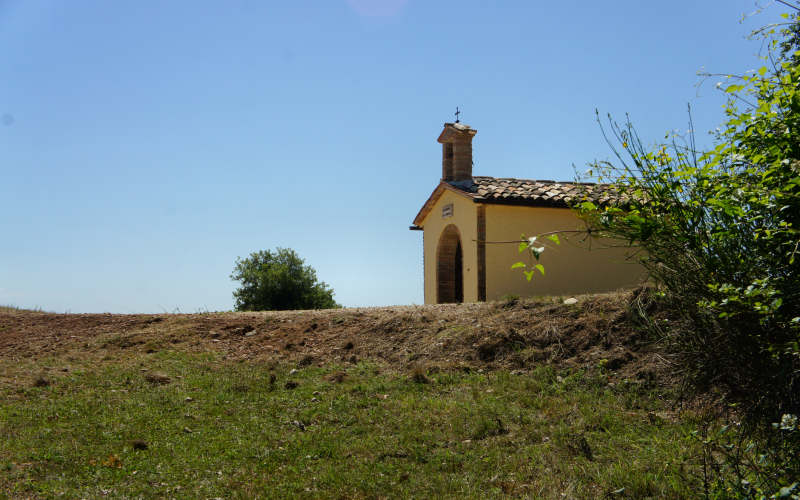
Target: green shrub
[(735, 465), (719, 233), (279, 280)]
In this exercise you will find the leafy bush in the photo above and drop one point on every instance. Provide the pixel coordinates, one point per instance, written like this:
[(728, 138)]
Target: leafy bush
[(720, 234), (279, 280), (734, 465)]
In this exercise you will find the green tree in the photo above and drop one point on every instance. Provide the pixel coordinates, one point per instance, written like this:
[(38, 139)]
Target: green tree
[(279, 280)]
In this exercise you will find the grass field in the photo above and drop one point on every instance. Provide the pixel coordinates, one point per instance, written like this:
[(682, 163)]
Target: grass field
[(523, 398), (183, 425)]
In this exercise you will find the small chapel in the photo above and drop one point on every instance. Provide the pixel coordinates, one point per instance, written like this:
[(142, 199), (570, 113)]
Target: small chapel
[(472, 226)]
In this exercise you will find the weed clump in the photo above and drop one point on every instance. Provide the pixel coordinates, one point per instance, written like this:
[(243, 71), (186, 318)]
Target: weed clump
[(305, 361), (488, 428), (509, 300), (139, 444), (157, 378), (579, 446), (419, 375), (337, 378), (41, 381)]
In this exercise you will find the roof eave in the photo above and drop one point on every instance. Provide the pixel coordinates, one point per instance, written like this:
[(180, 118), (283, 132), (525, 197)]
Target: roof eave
[(434, 197), (523, 202)]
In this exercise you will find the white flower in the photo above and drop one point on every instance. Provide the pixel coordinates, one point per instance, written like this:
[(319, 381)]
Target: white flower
[(788, 422)]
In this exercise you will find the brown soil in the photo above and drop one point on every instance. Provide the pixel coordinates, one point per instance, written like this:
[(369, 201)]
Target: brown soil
[(498, 335)]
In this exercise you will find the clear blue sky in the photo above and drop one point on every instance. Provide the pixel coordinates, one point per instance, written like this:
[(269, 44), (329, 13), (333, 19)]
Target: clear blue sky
[(145, 145)]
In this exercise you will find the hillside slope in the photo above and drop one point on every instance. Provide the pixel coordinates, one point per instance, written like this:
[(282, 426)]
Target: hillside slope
[(451, 401), (515, 335)]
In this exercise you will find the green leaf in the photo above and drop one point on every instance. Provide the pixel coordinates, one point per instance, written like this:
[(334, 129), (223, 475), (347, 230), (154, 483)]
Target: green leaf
[(528, 275), (517, 265), (523, 245), (540, 268), (786, 491), (554, 239)]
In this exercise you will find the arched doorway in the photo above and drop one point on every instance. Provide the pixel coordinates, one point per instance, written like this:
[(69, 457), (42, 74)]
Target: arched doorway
[(449, 267)]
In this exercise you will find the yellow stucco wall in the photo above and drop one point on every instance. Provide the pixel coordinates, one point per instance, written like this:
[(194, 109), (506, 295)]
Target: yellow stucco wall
[(465, 219), (570, 267)]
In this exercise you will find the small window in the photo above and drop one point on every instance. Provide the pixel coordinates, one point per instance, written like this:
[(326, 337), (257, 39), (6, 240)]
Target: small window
[(447, 211)]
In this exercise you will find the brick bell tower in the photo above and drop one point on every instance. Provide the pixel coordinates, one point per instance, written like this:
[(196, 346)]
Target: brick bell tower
[(456, 140)]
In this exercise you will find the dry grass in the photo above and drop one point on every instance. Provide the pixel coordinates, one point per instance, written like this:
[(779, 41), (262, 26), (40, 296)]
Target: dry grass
[(515, 335)]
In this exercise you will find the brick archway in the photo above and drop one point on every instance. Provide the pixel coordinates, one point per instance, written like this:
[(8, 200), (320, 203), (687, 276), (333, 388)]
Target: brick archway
[(449, 267)]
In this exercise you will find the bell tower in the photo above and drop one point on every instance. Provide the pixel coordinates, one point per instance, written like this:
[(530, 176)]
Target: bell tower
[(456, 140)]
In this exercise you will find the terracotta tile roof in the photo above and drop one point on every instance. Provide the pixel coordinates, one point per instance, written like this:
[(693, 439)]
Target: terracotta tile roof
[(524, 192), (535, 192)]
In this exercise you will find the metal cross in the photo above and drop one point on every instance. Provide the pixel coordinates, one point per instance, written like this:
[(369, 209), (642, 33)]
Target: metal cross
[(457, 113)]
